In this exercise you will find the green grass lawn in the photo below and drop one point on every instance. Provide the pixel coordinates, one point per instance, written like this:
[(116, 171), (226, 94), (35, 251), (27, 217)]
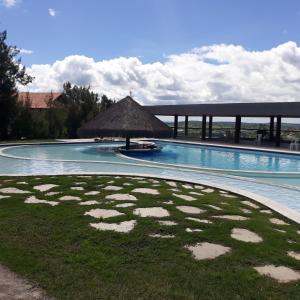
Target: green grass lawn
[(56, 247)]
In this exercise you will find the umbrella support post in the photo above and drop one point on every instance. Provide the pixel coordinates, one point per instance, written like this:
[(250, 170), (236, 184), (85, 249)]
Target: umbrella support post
[(127, 143)]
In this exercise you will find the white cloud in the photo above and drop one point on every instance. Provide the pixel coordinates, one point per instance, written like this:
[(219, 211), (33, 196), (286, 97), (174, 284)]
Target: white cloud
[(216, 73), (52, 12), (26, 51), (9, 3)]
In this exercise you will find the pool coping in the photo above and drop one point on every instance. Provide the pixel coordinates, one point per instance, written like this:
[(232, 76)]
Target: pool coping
[(284, 211)]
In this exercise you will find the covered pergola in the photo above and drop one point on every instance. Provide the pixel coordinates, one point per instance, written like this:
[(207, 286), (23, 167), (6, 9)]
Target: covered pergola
[(275, 111)]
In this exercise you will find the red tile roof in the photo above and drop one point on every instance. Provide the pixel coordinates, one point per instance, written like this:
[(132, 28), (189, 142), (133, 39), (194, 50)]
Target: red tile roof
[(38, 100)]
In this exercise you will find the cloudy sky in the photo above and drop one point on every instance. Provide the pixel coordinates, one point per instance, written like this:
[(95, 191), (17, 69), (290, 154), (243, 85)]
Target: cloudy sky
[(165, 51)]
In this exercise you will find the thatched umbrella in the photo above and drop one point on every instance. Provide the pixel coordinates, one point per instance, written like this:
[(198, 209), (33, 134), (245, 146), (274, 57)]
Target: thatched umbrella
[(127, 119)]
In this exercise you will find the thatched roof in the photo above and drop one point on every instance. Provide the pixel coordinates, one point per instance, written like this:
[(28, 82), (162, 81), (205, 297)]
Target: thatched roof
[(125, 118)]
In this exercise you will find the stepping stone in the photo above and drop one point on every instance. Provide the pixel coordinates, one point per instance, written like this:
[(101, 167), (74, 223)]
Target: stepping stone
[(298, 231), (44, 187), (246, 211), (92, 193), (199, 220), (281, 274), (84, 176), (153, 180), (196, 193), (110, 182), (91, 202), (190, 209), (167, 223), (34, 200), (205, 250), (214, 207), (125, 205), (185, 197), (4, 197), (223, 192), (121, 197), (143, 181), (171, 183), (175, 190), (248, 203), (294, 254), (232, 217), (199, 187), (228, 196), (70, 198), (103, 213), (77, 188), (166, 236), (193, 230), (168, 202), (278, 221), (245, 235), (13, 191), (155, 185), (146, 191), (187, 186), (208, 190), (280, 230), (123, 227), (52, 193), (22, 182), (112, 188), (80, 183), (127, 183), (156, 212), (266, 211)]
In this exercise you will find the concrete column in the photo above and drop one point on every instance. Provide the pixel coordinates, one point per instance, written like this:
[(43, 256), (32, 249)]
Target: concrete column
[(237, 133), (203, 133), (271, 129), (186, 125), (278, 131), (210, 125), (175, 130)]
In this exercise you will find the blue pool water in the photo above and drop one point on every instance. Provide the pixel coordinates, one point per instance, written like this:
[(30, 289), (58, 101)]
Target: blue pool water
[(221, 158)]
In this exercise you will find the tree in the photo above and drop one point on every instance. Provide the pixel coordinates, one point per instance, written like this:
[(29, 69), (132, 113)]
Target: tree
[(11, 74), (105, 103)]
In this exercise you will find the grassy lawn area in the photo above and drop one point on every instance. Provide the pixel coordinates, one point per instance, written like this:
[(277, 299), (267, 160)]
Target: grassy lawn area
[(56, 247)]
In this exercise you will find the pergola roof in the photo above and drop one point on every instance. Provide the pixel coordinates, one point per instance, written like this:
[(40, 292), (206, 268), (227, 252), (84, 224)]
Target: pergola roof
[(125, 118), (283, 109)]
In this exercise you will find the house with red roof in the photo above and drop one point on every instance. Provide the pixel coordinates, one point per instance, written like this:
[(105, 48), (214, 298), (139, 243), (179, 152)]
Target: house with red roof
[(38, 100)]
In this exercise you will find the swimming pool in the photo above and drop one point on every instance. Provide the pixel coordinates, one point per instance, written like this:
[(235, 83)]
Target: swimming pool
[(82, 158), (212, 157)]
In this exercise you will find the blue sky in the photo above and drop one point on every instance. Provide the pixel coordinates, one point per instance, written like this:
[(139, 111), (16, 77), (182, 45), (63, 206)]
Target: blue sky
[(148, 29)]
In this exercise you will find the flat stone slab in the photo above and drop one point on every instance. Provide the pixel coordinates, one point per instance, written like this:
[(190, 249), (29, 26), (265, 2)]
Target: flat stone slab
[(44, 187), (103, 213), (199, 187), (251, 204), (185, 197), (172, 183), (70, 198), (121, 197), (228, 196), (196, 193), (187, 186), (125, 205), (245, 235), (246, 211), (205, 250), (208, 190), (281, 274), (278, 221), (22, 182), (34, 200), (162, 236), (214, 207), (13, 190), (80, 183), (167, 223), (92, 193), (4, 197), (205, 221), (232, 217), (113, 188), (193, 230), (52, 193), (123, 227), (77, 188), (156, 212), (146, 191), (294, 254), (170, 202), (90, 202), (127, 183), (190, 209), (266, 211)]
